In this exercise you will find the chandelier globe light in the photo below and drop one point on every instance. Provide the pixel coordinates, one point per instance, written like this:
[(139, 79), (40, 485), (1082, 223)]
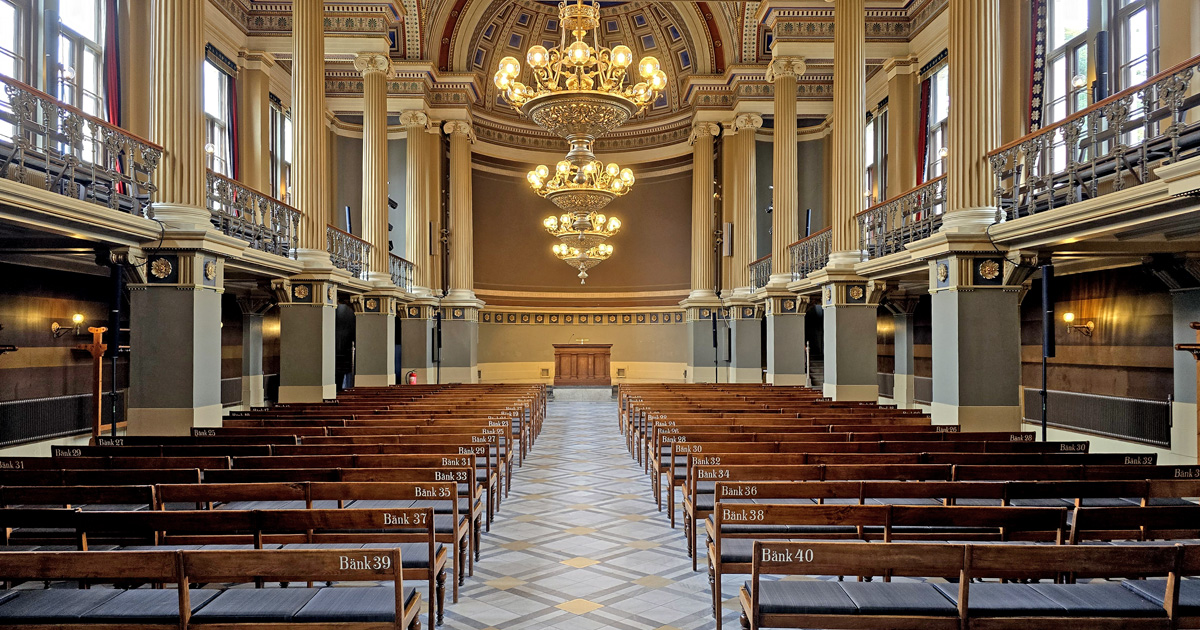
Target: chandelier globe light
[(582, 259)]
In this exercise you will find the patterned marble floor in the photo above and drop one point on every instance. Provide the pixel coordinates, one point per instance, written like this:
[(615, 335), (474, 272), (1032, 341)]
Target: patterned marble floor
[(579, 544)]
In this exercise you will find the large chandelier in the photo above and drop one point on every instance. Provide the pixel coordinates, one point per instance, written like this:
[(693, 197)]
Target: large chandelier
[(580, 92)]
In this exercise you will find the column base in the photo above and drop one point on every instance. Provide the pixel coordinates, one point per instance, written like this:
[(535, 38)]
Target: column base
[(306, 393), (968, 220), (253, 392), (745, 375), (904, 386), (381, 279), (1000, 418), (844, 260), (464, 374), (787, 379), (145, 421), (374, 380), (314, 259), (869, 393), (181, 217)]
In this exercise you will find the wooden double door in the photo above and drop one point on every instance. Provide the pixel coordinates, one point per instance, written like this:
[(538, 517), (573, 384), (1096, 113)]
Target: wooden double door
[(582, 364)]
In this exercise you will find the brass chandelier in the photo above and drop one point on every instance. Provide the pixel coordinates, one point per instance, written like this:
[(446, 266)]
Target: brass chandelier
[(579, 93)]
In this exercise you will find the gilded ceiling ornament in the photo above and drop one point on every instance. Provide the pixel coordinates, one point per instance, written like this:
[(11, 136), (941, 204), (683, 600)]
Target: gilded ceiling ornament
[(372, 304), (210, 270), (989, 270), (856, 293), (161, 268), (943, 272), (300, 291)]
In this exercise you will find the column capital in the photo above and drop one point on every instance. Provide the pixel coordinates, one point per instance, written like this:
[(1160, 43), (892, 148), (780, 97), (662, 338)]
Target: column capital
[(702, 129), (367, 63), (460, 127), (414, 118), (785, 66), (746, 121)]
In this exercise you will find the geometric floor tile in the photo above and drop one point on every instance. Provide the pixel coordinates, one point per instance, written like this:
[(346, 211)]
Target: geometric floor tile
[(579, 606)]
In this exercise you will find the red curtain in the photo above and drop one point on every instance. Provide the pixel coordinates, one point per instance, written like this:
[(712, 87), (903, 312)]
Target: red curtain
[(234, 154), (923, 130), (112, 64)]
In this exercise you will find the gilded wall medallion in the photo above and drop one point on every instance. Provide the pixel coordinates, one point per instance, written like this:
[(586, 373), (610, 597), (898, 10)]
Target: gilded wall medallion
[(856, 293), (943, 272), (161, 268), (210, 270), (989, 270), (372, 304), (300, 291)]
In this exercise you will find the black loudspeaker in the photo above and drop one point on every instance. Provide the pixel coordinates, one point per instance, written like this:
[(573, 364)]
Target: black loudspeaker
[(1103, 85), (1047, 312), (714, 328)]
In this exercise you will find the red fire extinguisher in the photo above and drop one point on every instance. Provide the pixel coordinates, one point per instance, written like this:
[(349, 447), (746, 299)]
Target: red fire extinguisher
[(412, 377)]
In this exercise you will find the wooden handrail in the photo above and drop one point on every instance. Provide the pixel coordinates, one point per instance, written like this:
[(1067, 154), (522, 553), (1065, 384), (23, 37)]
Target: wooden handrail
[(252, 190), (345, 233), (767, 257), (903, 194), (813, 235), (1098, 105), (36, 92), (400, 258)]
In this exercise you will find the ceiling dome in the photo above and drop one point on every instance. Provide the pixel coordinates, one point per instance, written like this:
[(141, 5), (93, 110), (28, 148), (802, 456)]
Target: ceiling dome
[(661, 29)]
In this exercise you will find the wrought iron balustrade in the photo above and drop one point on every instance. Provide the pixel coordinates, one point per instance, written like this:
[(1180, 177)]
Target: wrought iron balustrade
[(810, 253), (402, 272), (348, 252), (54, 146), (1102, 149), (265, 223), (887, 227), (760, 271)]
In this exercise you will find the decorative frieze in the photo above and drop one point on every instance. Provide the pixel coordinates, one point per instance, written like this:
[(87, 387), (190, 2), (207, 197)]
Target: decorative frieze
[(540, 318)]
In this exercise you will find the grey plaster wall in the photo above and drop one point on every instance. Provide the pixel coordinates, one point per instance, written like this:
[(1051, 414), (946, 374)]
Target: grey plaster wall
[(304, 362), (785, 344), (347, 153), (397, 165), (851, 345), (700, 346), (976, 351), (180, 369), (460, 343), (1185, 310), (810, 186), (747, 340)]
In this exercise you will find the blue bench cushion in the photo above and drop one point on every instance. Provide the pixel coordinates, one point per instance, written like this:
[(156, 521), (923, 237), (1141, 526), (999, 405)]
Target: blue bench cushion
[(412, 555), (899, 598), (1099, 600), (1003, 600), (353, 604), (254, 604), (147, 605), (803, 598), (54, 605), (1155, 591)]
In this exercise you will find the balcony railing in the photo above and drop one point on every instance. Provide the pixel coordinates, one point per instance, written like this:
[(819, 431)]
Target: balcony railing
[(265, 223), (760, 271), (1102, 149), (887, 227), (347, 251), (402, 272), (56, 147), (810, 253)]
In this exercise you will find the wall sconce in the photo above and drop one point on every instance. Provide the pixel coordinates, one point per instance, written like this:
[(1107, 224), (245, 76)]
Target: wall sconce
[(1078, 81), (59, 330), (1086, 328), (943, 152)]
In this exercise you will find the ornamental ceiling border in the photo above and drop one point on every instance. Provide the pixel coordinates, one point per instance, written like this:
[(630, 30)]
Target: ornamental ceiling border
[(275, 18), (552, 318), (512, 135)]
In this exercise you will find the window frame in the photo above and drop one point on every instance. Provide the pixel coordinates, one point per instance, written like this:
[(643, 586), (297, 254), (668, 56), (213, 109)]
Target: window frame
[(216, 128), (876, 170), (935, 138), (1121, 41), (281, 165), (23, 50)]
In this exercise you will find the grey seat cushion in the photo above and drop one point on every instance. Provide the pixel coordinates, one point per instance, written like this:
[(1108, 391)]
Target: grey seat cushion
[(1155, 591), (899, 598), (1105, 600), (147, 605), (1109, 502), (412, 555), (803, 598), (1003, 600), (322, 546), (254, 604), (54, 605), (353, 604)]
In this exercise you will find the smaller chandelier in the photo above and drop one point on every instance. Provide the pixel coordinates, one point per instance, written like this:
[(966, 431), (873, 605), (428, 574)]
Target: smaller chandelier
[(581, 189), (582, 231), (583, 259)]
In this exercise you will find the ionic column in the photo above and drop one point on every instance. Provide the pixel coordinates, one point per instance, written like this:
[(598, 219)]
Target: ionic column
[(973, 128), (433, 203), (309, 181), (740, 196), (374, 69), (178, 114), (849, 115), (783, 72), (462, 277), (416, 233), (703, 272)]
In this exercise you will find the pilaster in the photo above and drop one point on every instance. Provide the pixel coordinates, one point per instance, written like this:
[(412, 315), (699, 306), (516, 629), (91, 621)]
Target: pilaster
[(253, 311), (703, 271), (901, 131), (375, 337), (306, 338), (254, 124), (787, 343), (849, 114), (418, 339), (903, 308), (1185, 309), (850, 305), (707, 341), (973, 127), (745, 342), (310, 155)]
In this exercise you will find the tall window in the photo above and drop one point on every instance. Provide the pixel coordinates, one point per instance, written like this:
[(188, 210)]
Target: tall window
[(81, 54), (876, 157), (281, 152), (1069, 29), (1136, 26), (216, 115), (939, 113), (14, 38)]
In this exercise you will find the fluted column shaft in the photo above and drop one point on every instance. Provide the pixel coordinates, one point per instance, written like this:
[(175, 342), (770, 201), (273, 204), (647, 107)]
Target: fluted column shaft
[(433, 203), (783, 72), (740, 193), (973, 128), (703, 274), (462, 277), (309, 151), (416, 234), (178, 114), (849, 116), (375, 162)]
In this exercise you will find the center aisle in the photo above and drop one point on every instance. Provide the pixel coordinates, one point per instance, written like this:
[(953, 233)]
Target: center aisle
[(580, 544)]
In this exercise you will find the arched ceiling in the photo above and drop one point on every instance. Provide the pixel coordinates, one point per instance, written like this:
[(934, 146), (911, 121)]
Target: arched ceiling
[(686, 37)]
